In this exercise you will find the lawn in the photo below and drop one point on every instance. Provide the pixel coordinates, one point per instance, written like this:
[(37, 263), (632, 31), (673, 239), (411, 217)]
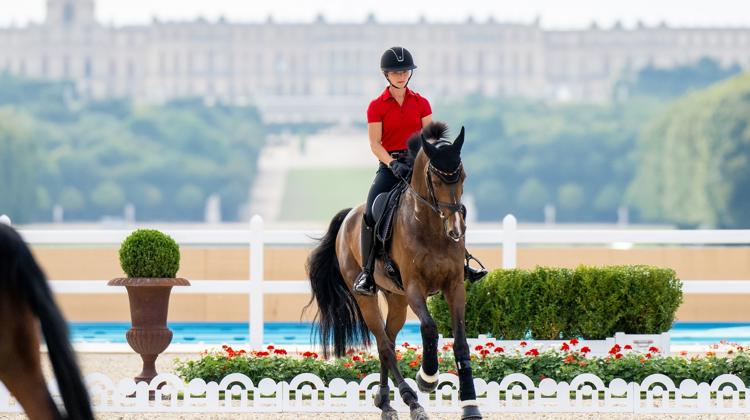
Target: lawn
[(317, 194)]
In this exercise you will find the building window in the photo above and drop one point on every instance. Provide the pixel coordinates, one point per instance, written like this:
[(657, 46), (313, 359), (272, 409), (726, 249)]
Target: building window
[(87, 68), (68, 13)]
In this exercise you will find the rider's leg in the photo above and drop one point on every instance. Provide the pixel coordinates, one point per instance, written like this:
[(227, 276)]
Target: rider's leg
[(384, 182), (472, 274)]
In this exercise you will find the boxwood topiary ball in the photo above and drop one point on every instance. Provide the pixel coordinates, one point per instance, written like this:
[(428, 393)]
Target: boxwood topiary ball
[(149, 253)]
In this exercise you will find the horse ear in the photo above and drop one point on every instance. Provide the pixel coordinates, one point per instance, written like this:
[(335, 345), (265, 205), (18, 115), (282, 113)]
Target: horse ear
[(459, 142), (428, 148)]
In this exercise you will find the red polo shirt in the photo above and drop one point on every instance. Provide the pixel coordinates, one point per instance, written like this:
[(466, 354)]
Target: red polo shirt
[(399, 121)]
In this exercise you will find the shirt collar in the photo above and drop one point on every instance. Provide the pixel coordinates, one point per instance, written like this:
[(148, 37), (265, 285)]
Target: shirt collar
[(387, 94)]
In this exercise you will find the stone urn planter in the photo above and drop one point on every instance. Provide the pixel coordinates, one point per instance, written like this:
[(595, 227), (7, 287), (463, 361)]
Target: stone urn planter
[(151, 260)]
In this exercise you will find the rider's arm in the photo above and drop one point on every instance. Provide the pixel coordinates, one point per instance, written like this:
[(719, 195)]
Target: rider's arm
[(426, 120), (375, 132)]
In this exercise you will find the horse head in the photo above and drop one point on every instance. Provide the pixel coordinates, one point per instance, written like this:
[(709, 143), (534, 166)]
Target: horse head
[(438, 175)]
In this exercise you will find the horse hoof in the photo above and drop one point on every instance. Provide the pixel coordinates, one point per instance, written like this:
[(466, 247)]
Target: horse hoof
[(389, 415), (419, 414), (471, 412)]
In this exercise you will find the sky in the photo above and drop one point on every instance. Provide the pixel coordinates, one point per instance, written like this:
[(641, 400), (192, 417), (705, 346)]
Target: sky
[(552, 13)]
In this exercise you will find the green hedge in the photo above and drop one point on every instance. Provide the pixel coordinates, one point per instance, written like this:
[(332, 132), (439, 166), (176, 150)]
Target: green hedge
[(560, 303)]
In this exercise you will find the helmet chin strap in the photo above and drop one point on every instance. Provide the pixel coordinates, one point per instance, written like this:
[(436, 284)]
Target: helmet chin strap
[(396, 87)]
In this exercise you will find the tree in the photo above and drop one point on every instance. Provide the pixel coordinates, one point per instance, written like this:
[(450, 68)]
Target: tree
[(18, 163), (694, 160)]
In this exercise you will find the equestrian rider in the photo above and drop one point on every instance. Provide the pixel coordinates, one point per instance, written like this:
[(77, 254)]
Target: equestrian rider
[(392, 118)]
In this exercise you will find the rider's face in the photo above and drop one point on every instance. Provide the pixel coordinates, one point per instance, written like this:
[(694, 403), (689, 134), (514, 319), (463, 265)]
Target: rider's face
[(398, 78)]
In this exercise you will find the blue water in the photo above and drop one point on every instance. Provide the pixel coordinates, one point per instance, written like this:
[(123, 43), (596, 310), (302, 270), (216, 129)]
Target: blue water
[(300, 333)]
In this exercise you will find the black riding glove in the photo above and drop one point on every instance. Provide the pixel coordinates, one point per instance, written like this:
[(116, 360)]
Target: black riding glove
[(400, 169)]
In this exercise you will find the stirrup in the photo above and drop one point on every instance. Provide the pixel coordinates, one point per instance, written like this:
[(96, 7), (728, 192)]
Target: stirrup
[(471, 274)]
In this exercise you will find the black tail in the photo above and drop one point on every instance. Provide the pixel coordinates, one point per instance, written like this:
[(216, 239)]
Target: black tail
[(30, 280), (338, 319)]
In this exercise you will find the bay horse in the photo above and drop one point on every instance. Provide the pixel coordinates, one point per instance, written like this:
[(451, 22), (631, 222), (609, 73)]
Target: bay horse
[(25, 302), (428, 248)]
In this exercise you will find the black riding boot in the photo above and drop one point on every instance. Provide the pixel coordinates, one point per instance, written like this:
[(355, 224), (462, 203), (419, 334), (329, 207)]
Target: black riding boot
[(365, 282), (472, 274)]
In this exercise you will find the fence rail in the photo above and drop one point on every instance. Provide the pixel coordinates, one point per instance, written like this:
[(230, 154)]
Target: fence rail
[(256, 238)]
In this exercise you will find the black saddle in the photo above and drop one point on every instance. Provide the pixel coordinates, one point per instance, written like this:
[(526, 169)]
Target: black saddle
[(383, 211)]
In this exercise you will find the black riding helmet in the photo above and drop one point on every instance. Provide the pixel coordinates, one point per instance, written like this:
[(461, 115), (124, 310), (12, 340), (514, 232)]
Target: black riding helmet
[(396, 59)]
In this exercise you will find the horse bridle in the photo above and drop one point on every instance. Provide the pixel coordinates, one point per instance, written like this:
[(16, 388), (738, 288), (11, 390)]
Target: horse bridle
[(450, 178)]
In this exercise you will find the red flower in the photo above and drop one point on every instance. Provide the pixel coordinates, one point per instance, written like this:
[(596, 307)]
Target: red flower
[(490, 345), (618, 355), (279, 351), (270, 347), (532, 352), (648, 355), (262, 354), (523, 344), (499, 350), (478, 348), (347, 365), (615, 349), (310, 355), (406, 344), (574, 341), (565, 347), (653, 349), (447, 346), (484, 352), (570, 359), (356, 359), (414, 363), (585, 349)]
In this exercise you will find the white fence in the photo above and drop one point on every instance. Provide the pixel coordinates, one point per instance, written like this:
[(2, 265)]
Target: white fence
[(509, 237), (516, 393)]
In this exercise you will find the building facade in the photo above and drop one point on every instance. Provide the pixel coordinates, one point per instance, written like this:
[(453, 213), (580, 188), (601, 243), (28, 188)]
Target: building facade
[(321, 71)]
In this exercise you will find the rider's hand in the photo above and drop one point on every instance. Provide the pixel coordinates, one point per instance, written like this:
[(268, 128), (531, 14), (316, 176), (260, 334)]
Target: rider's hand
[(400, 169)]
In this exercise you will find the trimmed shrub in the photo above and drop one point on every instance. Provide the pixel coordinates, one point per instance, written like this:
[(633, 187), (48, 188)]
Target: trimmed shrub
[(559, 303), (149, 253)]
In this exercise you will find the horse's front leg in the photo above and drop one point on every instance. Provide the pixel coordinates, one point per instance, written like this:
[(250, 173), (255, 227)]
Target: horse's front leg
[(456, 298), (427, 377)]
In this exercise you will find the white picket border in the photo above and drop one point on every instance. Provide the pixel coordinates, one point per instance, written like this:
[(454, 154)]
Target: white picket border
[(515, 393)]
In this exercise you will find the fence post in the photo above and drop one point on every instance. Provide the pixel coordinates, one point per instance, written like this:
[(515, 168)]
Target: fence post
[(5, 220), (255, 320), (510, 228)]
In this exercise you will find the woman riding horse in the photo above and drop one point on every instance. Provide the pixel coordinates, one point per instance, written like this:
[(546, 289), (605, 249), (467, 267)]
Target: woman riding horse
[(392, 117), (24, 298), (427, 245)]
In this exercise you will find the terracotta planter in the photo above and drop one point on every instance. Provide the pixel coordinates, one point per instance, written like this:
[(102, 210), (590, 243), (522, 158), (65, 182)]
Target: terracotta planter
[(149, 305)]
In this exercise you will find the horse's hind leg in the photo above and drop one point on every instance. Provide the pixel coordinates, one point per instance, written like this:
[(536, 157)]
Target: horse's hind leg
[(20, 369), (393, 324)]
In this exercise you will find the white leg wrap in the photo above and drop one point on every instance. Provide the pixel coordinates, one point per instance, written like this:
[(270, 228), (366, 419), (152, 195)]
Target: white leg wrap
[(468, 402), (428, 378)]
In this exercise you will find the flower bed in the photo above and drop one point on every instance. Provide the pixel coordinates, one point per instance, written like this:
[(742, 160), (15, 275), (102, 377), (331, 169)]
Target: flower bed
[(489, 362)]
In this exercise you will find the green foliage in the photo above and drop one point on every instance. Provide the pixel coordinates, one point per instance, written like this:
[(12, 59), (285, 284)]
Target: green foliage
[(149, 253), (695, 165), (18, 166), (488, 363), (100, 155), (522, 155), (559, 303)]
